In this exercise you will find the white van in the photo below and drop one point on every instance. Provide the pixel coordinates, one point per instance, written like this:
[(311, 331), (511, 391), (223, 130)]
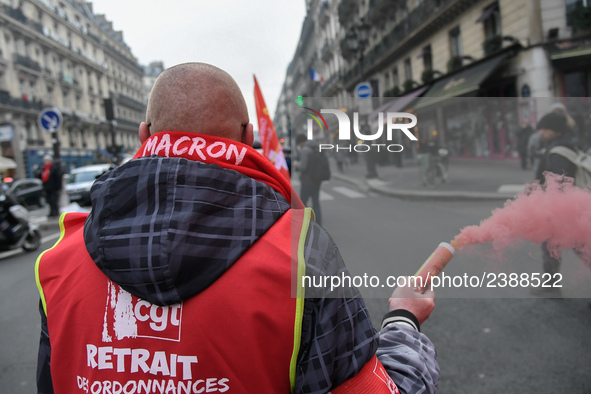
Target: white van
[(80, 180)]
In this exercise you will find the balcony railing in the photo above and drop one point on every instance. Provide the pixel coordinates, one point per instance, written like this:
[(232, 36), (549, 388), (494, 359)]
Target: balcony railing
[(18, 15), (323, 10), (15, 13), (123, 57), (127, 123), (346, 11), (129, 102), (326, 49), (495, 43), (330, 83), (6, 99), (26, 62), (417, 21), (382, 10)]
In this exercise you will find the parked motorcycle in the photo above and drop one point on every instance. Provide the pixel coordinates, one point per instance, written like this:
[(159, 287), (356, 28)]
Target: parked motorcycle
[(16, 231)]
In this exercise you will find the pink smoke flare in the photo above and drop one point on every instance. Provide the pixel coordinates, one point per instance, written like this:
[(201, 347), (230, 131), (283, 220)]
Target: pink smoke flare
[(557, 212)]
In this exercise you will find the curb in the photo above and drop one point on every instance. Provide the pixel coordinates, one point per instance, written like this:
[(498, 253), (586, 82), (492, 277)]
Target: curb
[(440, 195)]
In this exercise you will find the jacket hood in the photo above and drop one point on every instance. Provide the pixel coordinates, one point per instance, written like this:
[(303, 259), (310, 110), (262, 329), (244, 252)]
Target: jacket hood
[(164, 229), (566, 139)]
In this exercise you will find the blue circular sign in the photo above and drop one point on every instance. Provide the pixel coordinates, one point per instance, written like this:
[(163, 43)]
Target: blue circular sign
[(363, 90), (50, 119)]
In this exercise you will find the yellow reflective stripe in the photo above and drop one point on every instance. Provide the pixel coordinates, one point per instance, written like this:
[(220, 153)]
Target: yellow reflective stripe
[(300, 297), (37, 279)]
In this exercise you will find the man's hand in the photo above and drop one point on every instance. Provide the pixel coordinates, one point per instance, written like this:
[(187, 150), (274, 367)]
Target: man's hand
[(420, 305)]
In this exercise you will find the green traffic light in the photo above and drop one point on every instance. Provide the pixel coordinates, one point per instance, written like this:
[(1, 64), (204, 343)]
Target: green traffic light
[(299, 101)]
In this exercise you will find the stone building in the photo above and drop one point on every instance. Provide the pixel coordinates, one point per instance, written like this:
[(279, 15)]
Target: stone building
[(151, 73), (474, 70), (58, 53)]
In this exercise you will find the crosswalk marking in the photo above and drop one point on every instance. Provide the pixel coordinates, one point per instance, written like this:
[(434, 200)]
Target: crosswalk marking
[(511, 188), (324, 196), (348, 192)]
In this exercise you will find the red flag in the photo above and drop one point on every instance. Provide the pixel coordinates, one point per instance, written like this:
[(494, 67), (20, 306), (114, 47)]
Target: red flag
[(272, 149)]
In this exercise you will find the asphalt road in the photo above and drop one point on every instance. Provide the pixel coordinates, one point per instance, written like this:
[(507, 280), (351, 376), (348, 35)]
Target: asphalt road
[(19, 320), (500, 341)]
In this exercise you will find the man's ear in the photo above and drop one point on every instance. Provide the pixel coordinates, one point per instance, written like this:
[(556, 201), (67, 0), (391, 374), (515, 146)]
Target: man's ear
[(144, 132), (248, 135)]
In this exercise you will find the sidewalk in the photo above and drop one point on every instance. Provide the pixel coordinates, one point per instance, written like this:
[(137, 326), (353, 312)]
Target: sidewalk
[(469, 179), (41, 219)]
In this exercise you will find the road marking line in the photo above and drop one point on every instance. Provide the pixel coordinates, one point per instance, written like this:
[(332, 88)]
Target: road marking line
[(348, 192), (377, 182), (324, 196), (511, 188)]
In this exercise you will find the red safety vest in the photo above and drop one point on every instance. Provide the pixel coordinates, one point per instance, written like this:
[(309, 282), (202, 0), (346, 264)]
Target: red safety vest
[(105, 340)]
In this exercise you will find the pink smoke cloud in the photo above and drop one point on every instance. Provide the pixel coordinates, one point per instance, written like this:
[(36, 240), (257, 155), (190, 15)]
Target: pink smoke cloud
[(557, 212)]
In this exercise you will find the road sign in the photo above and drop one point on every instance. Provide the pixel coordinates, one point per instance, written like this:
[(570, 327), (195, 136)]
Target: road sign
[(50, 119), (363, 90), (6, 133)]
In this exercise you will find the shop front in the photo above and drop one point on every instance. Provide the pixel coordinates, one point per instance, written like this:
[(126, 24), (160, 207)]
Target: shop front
[(473, 113), (70, 158)]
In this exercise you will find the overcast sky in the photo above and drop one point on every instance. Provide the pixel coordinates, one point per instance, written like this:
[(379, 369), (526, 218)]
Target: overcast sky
[(241, 37)]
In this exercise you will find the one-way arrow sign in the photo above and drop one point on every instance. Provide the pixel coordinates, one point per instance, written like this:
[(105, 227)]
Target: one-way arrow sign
[(50, 119)]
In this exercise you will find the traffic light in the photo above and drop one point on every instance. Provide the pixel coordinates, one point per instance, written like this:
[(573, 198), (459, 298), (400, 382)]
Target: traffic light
[(109, 114), (300, 101)]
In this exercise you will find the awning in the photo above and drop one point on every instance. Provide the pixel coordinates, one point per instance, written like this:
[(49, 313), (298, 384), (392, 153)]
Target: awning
[(397, 104), (462, 83), (7, 164), (571, 53)]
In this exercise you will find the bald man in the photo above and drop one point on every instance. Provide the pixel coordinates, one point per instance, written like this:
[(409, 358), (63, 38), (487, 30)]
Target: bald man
[(182, 280)]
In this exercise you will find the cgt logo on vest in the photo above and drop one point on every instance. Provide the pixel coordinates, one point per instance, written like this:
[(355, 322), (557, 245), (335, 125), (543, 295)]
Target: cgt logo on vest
[(401, 121), (127, 316)]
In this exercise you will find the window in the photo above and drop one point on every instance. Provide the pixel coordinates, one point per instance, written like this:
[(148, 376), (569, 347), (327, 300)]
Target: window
[(427, 58), (577, 83), (455, 42), (395, 77), (491, 19), (408, 69), (574, 14)]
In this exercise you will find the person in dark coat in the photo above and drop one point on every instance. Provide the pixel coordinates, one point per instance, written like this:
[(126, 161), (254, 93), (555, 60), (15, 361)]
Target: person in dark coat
[(554, 131), (310, 187), (51, 176), (522, 141)]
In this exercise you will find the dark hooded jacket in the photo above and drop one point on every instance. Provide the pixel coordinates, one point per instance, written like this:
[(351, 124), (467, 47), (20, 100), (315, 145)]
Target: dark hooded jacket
[(192, 221), (556, 163)]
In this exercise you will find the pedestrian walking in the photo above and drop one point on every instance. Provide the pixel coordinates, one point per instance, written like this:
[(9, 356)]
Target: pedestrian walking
[(310, 182), (523, 136), (554, 131), (180, 278), (51, 176), (578, 137), (535, 151)]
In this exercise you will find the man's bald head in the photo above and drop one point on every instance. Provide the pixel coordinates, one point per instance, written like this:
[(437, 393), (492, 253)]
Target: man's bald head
[(199, 98)]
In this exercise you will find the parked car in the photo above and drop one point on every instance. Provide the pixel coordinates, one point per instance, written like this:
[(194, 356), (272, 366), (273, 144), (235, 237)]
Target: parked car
[(80, 180), (28, 192)]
